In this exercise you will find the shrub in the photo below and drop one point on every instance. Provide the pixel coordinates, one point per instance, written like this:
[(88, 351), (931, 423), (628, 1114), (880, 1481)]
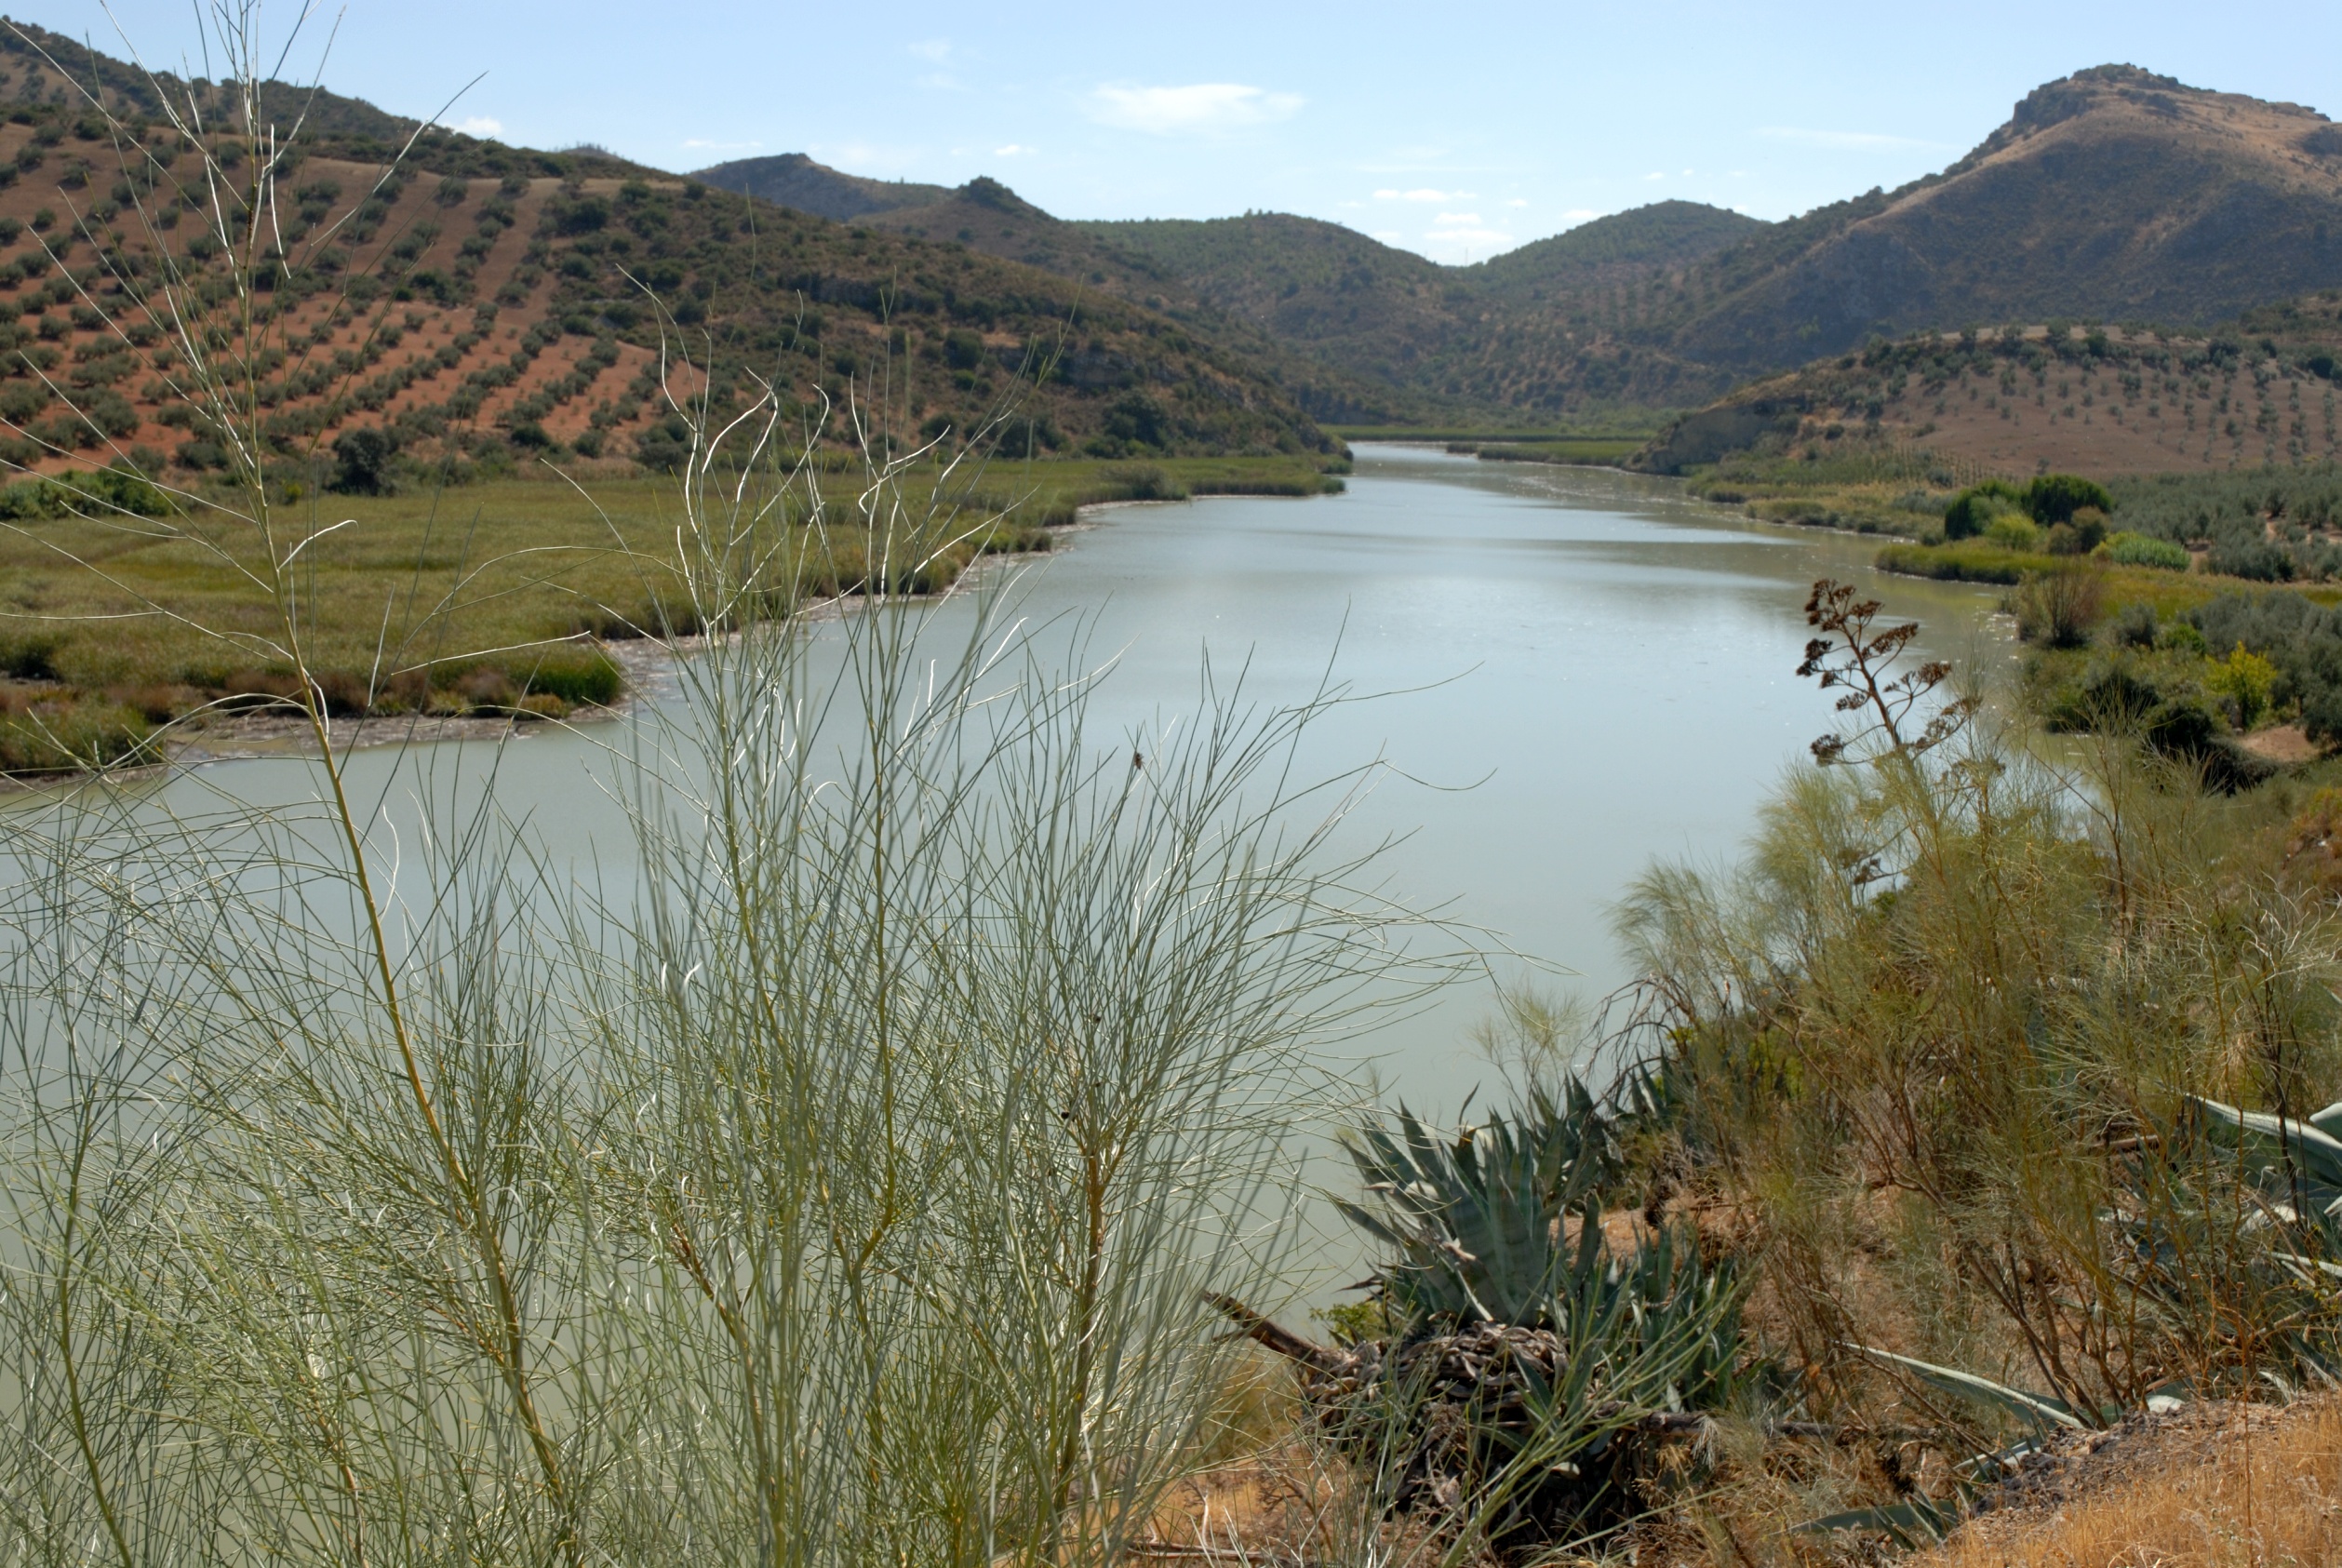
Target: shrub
[(2246, 679), (963, 350), (2013, 533), (1975, 506), (2253, 559), (2134, 626), (2057, 608), (2055, 498), (362, 460), (2137, 549)]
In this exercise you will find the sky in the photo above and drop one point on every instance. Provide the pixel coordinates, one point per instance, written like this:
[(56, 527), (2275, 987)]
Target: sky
[(1455, 133)]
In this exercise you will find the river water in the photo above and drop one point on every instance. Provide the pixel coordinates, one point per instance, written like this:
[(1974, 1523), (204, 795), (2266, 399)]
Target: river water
[(1585, 672)]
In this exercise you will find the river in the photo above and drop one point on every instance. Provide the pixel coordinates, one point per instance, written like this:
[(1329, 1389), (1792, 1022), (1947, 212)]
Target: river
[(1585, 672)]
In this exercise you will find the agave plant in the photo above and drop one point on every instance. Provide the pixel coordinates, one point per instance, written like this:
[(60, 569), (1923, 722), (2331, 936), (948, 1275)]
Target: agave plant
[(1536, 1362), (2296, 1165), (1476, 1218)]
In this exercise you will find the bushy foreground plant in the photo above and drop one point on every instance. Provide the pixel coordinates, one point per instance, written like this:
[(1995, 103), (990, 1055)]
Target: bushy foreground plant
[(1948, 1028)]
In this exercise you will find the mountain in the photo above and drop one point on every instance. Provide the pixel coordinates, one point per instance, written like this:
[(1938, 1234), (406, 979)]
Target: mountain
[(986, 216), (796, 181), (2112, 194), (511, 298), (1545, 327)]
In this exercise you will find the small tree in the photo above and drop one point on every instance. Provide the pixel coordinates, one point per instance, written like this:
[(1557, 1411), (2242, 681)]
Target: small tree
[(362, 461), (2051, 499)]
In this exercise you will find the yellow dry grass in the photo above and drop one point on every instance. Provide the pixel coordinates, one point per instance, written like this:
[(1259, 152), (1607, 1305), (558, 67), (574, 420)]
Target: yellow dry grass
[(2258, 1489)]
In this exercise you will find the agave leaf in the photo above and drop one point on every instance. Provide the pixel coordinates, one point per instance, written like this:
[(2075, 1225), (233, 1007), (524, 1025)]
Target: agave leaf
[(1913, 1525), (2033, 1407), (2329, 1120), (2317, 1153)]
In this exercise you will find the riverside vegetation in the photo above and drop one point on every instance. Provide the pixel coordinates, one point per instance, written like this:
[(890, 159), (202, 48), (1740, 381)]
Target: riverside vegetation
[(875, 1182), (492, 598)]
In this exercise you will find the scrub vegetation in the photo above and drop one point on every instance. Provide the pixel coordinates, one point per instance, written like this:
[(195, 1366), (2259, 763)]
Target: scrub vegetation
[(496, 598)]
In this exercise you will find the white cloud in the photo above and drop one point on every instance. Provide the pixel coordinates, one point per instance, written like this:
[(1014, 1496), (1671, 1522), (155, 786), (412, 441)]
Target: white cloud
[(1201, 106), (1687, 174), (1426, 194), (1013, 150), (1457, 218), (1580, 214), (935, 50), (1518, 201), (864, 157), (1843, 140), (1389, 237), (701, 145), (1654, 176), (479, 124)]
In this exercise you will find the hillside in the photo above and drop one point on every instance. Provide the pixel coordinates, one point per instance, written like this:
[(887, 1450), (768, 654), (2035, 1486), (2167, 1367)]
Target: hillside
[(986, 216), (2017, 401), (1549, 327), (794, 180), (2112, 196), (508, 301)]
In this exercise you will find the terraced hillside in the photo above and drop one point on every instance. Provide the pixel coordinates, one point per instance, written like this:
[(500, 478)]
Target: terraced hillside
[(491, 302), (2022, 400)]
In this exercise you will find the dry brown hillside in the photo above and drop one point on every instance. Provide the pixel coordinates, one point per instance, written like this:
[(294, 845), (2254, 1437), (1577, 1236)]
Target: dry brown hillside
[(2101, 400), (464, 298), (2113, 194)]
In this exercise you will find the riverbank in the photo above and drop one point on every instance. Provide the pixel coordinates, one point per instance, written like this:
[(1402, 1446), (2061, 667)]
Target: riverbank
[(462, 610)]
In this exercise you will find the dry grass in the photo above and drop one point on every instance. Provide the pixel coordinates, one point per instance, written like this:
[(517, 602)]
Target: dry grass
[(2220, 1487)]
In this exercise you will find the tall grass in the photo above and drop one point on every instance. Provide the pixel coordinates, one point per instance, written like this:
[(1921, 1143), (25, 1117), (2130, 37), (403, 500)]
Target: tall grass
[(843, 1192)]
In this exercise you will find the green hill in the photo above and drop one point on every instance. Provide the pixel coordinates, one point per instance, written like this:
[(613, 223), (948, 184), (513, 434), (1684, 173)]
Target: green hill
[(986, 216)]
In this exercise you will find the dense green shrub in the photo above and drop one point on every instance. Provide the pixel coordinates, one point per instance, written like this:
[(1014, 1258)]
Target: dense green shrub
[(362, 459), (2055, 498), (1975, 507), (2137, 549)]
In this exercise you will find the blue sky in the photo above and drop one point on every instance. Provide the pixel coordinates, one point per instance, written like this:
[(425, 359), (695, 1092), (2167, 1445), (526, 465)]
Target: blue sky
[(1454, 131)]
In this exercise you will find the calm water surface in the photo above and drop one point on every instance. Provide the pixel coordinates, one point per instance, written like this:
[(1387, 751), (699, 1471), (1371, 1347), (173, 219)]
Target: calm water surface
[(1586, 673)]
